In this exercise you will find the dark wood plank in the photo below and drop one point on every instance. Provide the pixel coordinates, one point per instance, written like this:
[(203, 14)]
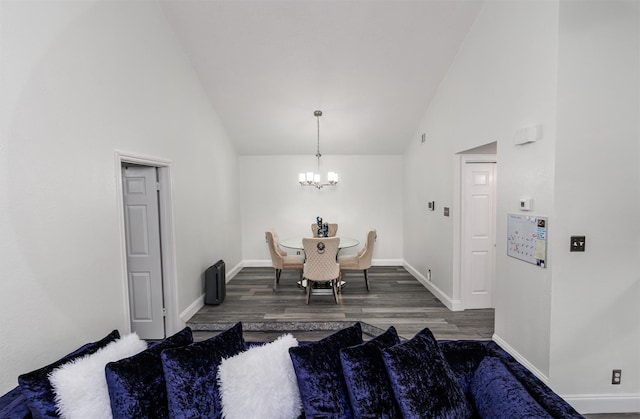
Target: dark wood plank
[(396, 299)]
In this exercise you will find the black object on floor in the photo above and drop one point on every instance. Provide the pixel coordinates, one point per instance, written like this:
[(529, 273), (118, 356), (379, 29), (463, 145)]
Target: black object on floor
[(215, 283)]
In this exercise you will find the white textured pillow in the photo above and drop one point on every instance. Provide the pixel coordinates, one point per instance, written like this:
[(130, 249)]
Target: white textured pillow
[(260, 382), (80, 386)]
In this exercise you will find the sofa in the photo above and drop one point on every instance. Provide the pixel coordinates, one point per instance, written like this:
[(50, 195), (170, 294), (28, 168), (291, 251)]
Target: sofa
[(340, 376)]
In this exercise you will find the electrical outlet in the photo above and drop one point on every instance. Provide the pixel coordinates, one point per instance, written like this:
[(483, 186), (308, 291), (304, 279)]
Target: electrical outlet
[(616, 376)]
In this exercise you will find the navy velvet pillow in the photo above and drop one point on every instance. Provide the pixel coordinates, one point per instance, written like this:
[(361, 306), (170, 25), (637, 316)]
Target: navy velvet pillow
[(13, 405), (422, 381), (136, 385), (319, 373), (191, 374), (497, 393), (36, 387), (367, 382)]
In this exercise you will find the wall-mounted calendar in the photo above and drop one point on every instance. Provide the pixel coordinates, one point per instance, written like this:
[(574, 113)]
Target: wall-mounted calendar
[(527, 238)]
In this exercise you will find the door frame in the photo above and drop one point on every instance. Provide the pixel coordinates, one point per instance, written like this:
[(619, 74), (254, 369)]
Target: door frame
[(460, 162), (167, 238)]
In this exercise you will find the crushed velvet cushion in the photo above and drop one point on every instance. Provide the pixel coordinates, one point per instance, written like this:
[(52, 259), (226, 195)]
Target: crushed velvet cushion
[(422, 382), (463, 357), (190, 373), (497, 393), (319, 373), (36, 387), (369, 388), (13, 405), (136, 385)]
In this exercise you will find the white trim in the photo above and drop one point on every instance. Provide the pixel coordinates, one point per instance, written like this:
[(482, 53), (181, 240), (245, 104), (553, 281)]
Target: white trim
[(459, 162), (233, 272), (126, 327), (521, 359), (263, 263), (192, 309), (604, 403), (583, 403), (387, 262), (453, 305), (257, 263), (456, 271), (169, 263), (173, 321)]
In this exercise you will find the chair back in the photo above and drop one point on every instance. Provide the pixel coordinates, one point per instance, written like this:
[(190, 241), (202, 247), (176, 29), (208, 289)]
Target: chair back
[(364, 256), (333, 229), (277, 259), (321, 253)]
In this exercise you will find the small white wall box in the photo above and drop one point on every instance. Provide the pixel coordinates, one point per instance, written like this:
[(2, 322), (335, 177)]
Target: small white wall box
[(527, 134), (431, 205), (526, 204)]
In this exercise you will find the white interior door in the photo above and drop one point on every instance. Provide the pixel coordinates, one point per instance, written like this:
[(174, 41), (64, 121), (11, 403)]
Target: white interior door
[(144, 261), (478, 234)]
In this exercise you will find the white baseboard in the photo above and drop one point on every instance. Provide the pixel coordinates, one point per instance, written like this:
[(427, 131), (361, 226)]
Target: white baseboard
[(521, 359), (453, 305), (199, 302), (386, 262), (604, 403), (583, 403), (192, 309), (233, 272), (257, 263)]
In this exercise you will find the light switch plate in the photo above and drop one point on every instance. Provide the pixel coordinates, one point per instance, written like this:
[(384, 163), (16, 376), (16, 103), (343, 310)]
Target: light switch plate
[(578, 243)]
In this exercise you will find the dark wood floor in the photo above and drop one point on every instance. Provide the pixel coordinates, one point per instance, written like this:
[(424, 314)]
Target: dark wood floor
[(395, 298)]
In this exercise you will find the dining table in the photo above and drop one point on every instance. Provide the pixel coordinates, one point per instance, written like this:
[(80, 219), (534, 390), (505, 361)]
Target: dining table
[(296, 243)]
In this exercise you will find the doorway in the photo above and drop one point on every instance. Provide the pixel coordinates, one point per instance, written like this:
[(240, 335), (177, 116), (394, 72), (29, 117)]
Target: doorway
[(147, 245), (474, 227), (478, 233)]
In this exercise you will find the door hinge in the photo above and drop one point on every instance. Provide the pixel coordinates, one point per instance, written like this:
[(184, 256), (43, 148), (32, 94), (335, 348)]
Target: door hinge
[(157, 186), (164, 312)]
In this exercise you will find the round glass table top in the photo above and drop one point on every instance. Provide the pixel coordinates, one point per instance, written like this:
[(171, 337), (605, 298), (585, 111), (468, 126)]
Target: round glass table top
[(296, 242)]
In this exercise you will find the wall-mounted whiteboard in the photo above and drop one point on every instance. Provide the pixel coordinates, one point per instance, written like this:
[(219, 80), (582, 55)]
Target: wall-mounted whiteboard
[(527, 238)]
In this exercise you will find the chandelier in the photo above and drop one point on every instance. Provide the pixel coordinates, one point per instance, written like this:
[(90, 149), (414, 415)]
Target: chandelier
[(311, 178)]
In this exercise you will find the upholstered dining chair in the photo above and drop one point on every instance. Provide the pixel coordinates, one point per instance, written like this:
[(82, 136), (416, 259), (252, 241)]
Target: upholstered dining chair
[(279, 258), (361, 261), (333, 229), (320, 264)]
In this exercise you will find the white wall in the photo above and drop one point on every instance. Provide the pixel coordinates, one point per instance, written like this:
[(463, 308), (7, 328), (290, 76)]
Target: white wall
[(574, 68), (369, 194), (595, 316), (80, 80), (503, 78)]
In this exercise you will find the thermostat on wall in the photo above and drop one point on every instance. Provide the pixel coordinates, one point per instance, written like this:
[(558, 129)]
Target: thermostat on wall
[(526, 204)]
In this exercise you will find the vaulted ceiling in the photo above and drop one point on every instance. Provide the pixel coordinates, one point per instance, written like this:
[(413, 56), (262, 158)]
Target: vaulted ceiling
[(372, 67)]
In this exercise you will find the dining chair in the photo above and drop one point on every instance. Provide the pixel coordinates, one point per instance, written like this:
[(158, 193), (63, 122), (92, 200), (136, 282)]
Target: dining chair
[(279, 258), (361, 261), (277, 242), (320, 264), (333, 229)]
